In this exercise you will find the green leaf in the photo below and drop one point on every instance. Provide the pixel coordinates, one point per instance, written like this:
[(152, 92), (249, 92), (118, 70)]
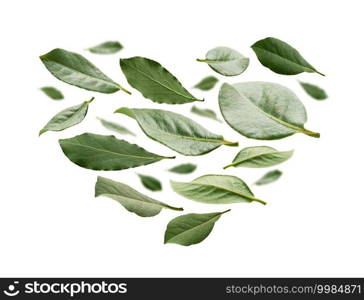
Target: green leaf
[(52, 92), (207, 83), (76, 70), (105, 152), (154, 81), (259, 157), (183, 168), (115, 127), (109, 47), (281, 58), (150, 182), (191, 229), (67, 117), (226, 61), (215, 189), (263, 110), (208, 113), (175, 131), (131, 199), (314, 91), (269, 177)]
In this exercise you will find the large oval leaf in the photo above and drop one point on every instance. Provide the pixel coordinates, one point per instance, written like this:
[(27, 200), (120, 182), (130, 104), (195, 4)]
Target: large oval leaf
[(52, 92), (67, 117), (281, 58), (215, 189), (105, 152), (131, 199), (183, 168), (259, 157), (150, 182), (314, 91), (175, 131), (206, 83), (109, 47), (263, 110), (269, 177), (226, 61), (76, 70), (154, 81), (191, 229)]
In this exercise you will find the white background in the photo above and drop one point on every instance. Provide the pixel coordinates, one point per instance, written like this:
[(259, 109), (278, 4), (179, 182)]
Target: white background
[(50, 222)]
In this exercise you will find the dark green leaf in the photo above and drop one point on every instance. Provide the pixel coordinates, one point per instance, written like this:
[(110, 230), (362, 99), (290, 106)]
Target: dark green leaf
[(191, 229), (52, 92), (115, 127), (175, 131), (263, 110), (207, 83), (105, 152), (183, 168), (150, 182), (281, 58), (109, 47), (208, 113), (154, 81), (76, 70), (131, 199), (314, 91), (269, 177)]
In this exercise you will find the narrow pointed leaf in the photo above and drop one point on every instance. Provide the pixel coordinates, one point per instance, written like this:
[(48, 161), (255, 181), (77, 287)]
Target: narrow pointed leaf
[(131, 199), (207, 83), (226, 61), (216, 189), (263, 110), (154, 81), (314, 91), (281, 58), (150, 182), (208, 113), (175, 131), (115, 127), (183, 168), (67, 117), (259, 157), (109, 47), (76, 70), (105, 152), (191, 229), (52, 92), (271, 176)]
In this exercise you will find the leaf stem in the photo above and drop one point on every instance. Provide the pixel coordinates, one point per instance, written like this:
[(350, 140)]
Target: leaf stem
[(310, 133), (169, 157), (260, 201), (201, 60), (228, 166), (124, 90), (230, 144), (320, 73), (224, 212)]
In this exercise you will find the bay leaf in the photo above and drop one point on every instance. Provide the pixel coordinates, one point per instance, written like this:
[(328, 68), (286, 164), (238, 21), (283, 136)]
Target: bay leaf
[(175, 131), (191, 229), (105, 152), (67, 118), (226, 61), (263, 110), (259, 157), (115, 127), (76, 70), (109, 47), (281, 58), (314, 91), (208, 113), (269, 177), (52, 92), (131, 199), (207, 83), (216, 189), (183, 168), (150, 182), (154, 81)]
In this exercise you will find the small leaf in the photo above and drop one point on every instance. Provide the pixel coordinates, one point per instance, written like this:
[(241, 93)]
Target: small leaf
[(216, 189), (314, 91), (105, 152), (154, 81), (191, 229), (76, 70), (115, 127), (269, 177), (281, 58), (52, 92), (175, 131), (259, 157), (109, 47), (263, 110), (226, 61), (150, 182), (208, 113), (207, 83), (183, 168), (131, 199), (67, 117)]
